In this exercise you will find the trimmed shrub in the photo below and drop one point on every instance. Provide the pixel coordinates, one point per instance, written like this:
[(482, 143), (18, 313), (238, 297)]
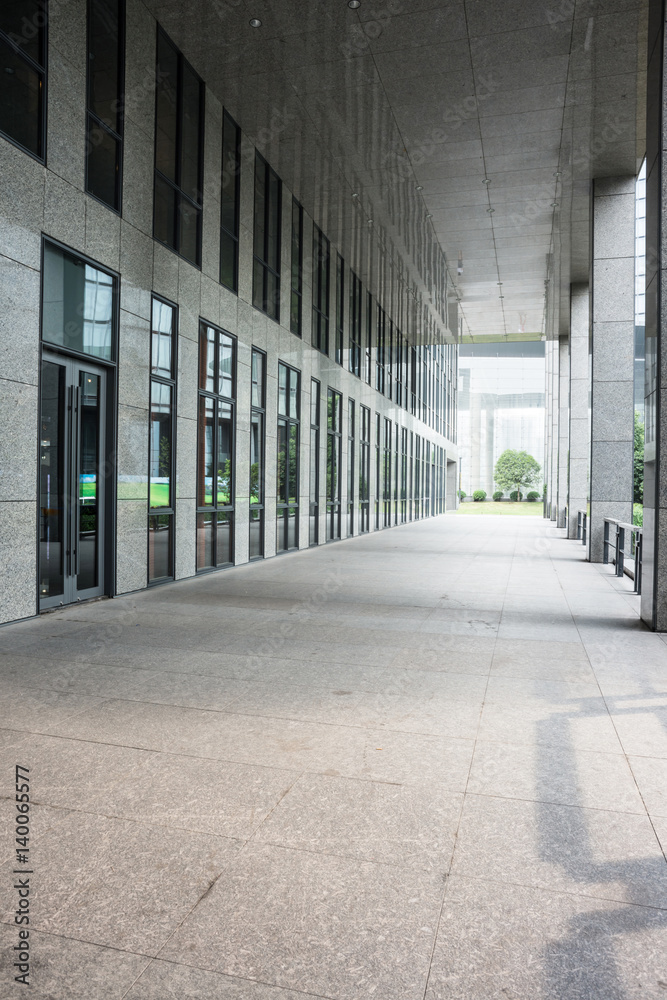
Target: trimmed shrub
[(462, 494), (479, 495), (533, 496), (498, 495), (514, 495)]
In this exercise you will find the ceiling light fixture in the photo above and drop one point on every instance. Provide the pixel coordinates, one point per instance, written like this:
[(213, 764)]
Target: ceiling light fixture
[(255, 22), (420, 187), (354, 194), (429, 215), (354, 4), (490, 211), (486, 180), (554, 204)]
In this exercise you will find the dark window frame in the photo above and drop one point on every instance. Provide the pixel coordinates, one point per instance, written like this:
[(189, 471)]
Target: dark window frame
[(116, 134), (354, 359), (259, 409), (170, 511), (296, 270), (180, 195), (233, 234), (284, 505), (321, 290), (41, 69), (364, 467), (314, 484), (219, 399), (334, 454), (351, 460), (340, 309), (261, 260)]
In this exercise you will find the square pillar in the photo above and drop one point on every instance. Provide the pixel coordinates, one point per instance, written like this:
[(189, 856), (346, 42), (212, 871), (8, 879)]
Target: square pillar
[(613, 330), (580, 440), (563, 430)]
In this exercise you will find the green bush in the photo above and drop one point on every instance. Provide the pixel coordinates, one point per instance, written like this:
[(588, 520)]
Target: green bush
[(462, 494), (638, 515), (479, 495), (514, 495), (498, 495), (533, 496)]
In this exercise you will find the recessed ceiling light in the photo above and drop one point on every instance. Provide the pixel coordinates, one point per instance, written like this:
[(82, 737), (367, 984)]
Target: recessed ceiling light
[(354, 4), (420, 187), (490, 211), (501, 296), (486, 180), (557, 174), (255, 22), (499, 282), (554, 204), (429, 216), (354, 194)]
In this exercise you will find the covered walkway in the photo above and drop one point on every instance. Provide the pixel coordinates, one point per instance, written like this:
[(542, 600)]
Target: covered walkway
[(425, 763)]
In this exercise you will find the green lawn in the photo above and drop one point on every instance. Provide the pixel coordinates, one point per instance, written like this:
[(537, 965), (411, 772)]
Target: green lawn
[(502, 508)]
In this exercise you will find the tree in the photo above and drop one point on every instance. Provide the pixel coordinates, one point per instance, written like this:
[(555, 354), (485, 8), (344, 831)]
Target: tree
[(639, 459), (516, 470)]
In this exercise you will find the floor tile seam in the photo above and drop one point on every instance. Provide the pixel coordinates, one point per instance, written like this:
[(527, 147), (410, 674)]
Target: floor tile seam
[(152, 825), (559, 805), (242, 979), (313, 852), (556, 746), (556, 891), (95, 944), (249, 715), (252, 838), (626, 756)]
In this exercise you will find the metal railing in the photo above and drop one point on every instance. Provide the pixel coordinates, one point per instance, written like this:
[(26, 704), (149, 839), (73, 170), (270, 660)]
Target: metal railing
[(615, 534), (582, 526)]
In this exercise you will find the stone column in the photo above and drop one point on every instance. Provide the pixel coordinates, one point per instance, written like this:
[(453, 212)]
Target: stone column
[(563, 429), (613, 329), (580, 444), (654, 575)]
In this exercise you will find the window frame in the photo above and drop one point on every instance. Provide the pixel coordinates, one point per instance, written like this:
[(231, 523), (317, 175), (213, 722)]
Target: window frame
[(227, 120), (284, 505), (41, 69), (334, 456), (170, 511), (354, 353), (321, 291), (296, 276), (219, 399), (116, 135), (260, 410), (263, 260), (158, 174)]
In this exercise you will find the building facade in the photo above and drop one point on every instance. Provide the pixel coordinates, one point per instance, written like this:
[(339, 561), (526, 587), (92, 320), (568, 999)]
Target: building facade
[(196, 368)]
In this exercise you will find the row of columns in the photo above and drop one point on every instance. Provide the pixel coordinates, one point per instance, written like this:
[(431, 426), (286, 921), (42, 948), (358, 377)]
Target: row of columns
[(590, 378)]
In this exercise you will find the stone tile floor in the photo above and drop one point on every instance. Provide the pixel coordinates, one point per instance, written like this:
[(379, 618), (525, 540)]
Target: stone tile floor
[(428, 763)]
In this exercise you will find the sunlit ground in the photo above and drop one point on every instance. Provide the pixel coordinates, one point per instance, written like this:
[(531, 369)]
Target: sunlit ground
[(502, 508)]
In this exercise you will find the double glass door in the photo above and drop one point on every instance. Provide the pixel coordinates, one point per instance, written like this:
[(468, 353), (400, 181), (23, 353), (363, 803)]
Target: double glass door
[(72, 484)]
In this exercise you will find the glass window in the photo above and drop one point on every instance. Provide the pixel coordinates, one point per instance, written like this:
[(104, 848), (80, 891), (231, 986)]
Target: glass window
[(179, 135), (369, 339), (379, 351), (340, 307), (355, 326), (257, 446), (23, 58), (161, 441), (78, 304), (334, 430), (314, 461), (266, 269), (321, 255), (229, 203), (287, 472), (364, 467), (104, 144), (215, 448), (297, 268)]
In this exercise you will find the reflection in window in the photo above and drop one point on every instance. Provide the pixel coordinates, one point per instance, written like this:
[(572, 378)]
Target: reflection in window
[(23, 59), (178, 152), (266, 268), (257, 427), (229, 203), (334, 430), (161, 499), (340, 307), (104, 141), (355, 326), (314, 461), (78, 304), (215, 450), (321, 255), (297, 268), (364, 467), (351, 427), (287, 471)]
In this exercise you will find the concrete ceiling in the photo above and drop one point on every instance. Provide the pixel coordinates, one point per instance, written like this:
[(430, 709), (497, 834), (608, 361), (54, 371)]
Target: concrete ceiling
[(465, 129)]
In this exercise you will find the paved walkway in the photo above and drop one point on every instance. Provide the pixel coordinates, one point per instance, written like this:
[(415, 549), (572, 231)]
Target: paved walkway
[(427, 763)]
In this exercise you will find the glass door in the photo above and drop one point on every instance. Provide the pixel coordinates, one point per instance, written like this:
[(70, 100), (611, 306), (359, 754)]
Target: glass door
[(72, 487)]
